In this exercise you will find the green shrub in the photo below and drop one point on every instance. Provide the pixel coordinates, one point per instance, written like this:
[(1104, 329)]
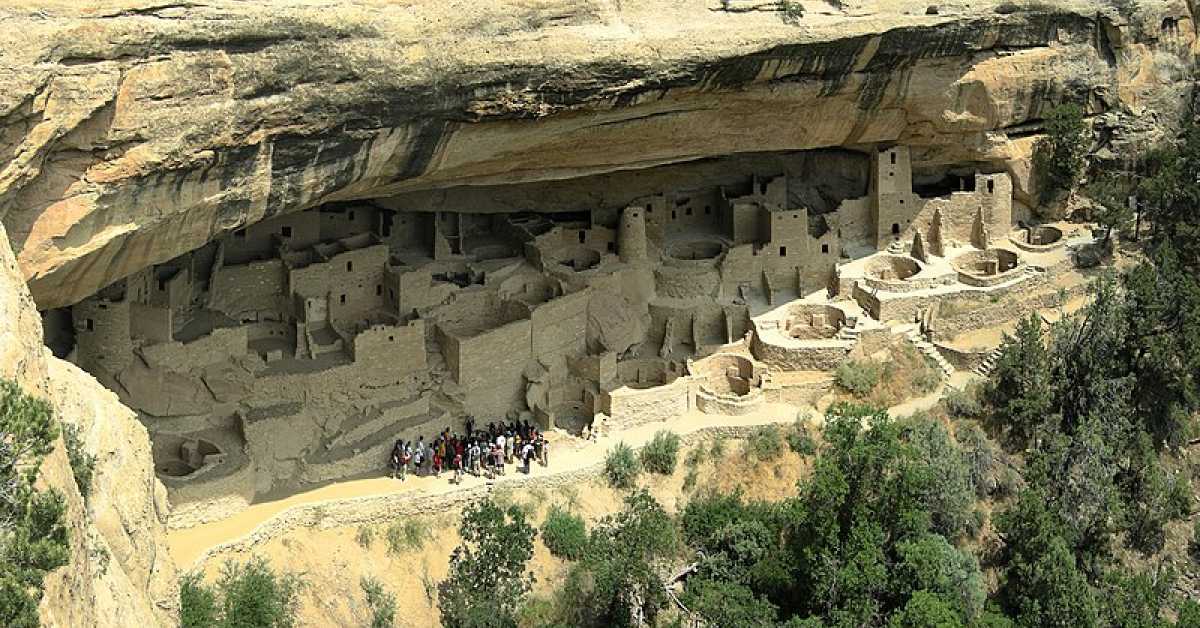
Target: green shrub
[(800, 438), (963, 403), (792, 10), (689, 480), (365, 537), (197, 603), (716, 450), (858, 377), (1058, 158), (83, 464), (621, 467), (659, 455), (927, 379), (380, 601), (1194, 545), (564, 534), (33, 536), (765, 443), (409, 534), (247, 595)]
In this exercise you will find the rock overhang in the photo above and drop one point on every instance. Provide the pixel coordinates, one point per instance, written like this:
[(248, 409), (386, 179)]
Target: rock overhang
[(141, 135)]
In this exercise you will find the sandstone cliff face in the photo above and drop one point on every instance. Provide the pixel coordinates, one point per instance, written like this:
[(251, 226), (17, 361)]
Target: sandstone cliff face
[(120, 573), (132, 131)]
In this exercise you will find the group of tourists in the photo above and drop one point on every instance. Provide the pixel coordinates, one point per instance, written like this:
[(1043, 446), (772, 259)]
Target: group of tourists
[(484, 452)]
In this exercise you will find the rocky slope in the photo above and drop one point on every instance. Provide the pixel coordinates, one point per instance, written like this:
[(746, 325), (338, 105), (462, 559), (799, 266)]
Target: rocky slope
[(132, 131), (120, 573)]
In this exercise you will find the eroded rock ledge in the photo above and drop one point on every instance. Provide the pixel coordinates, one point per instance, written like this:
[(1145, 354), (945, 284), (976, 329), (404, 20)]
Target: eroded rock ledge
[(134, 131)]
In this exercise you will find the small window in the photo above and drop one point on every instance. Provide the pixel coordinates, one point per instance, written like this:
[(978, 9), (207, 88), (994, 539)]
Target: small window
[(349, 266), (286, 232), (582, 237), (343, 299), (378, 290), (783, 251), (89, 324), (895, 228), (824, 248)]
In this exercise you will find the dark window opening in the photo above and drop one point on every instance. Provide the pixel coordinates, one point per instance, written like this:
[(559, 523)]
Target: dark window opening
[(783, 251), (895, 228), (89, 324), (286, 232)]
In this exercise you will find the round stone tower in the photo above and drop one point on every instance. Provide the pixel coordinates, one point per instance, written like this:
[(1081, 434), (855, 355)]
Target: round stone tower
[(631, 234)]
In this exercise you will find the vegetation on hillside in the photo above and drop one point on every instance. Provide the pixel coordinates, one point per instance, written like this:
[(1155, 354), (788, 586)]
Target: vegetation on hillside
[(1060, 156), (246, 595), (33, 535)]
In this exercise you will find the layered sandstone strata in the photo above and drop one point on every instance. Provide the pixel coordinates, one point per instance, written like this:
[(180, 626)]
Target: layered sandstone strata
[(119, 573), (136, 130)]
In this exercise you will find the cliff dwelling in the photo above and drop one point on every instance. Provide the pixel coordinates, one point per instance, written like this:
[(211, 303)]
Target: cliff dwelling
[(297, 349)]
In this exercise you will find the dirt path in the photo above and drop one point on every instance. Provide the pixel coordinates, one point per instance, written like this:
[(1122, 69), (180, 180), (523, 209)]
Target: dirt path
[(190, 545)]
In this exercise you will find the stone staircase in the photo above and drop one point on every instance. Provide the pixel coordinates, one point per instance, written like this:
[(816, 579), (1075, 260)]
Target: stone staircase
[(913, 333), (988, 364)]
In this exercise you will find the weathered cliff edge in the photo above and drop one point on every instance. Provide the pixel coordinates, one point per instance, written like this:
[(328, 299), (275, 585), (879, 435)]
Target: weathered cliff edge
[(120, 573), (132, 131)]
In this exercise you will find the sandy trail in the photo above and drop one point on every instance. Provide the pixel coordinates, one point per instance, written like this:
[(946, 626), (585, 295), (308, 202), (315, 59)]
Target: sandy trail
[(567, 455)]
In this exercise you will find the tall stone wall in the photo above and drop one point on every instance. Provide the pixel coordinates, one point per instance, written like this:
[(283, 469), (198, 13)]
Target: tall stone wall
[(102, 334), (249, 291)]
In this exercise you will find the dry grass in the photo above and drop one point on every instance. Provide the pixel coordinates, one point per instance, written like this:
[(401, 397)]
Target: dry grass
[(904, 375)]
